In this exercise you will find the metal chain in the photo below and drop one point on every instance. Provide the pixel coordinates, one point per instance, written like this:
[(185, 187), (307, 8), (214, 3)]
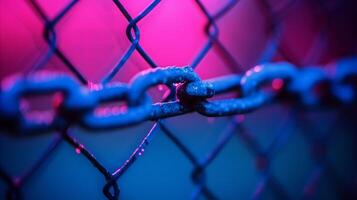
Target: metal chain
[(79, 103), (82, 105)]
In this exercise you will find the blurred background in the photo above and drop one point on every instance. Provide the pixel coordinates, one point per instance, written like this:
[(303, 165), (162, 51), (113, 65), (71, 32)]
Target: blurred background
[(277, 153)]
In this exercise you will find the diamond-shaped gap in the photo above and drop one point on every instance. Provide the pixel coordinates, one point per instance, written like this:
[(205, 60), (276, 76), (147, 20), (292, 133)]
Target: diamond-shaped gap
[(152, 23), (214, 63), (301, 16), (274, 14), (145, 169), (199, 140), (67, 175), (112, 147), (17, 155), (296, 157), (93, 38), (163, 172), (202, 143), (197, 132), (246, 39), (233, 173), (336, 176), (265, 129), (292, 164), (262, 187), (136, 63), (52, 10), (173, 33), (22, 43), (212, 66), (274, 137)]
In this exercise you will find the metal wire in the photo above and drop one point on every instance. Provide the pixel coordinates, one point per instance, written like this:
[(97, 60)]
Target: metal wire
[(188, 93)]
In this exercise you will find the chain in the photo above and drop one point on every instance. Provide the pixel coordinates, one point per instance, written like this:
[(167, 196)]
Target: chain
[(78, 102), (310, 86)]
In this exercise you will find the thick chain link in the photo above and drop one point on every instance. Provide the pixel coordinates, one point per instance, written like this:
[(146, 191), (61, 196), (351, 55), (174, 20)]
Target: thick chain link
[(310, 86)]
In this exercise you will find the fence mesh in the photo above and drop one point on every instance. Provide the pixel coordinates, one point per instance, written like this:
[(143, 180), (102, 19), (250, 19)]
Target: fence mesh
[(278, 152)]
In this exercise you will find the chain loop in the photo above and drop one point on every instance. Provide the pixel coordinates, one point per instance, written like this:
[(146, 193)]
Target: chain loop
[(116, 118), (254, 78), (305, 86), (345, 81), (42, 83), (80, 104), (167, 76)]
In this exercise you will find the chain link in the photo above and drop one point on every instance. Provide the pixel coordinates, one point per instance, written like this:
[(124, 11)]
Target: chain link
[(78, 103), (81, 103)]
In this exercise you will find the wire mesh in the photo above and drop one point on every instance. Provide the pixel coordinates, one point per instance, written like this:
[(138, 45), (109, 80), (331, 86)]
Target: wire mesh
[(317, 137)]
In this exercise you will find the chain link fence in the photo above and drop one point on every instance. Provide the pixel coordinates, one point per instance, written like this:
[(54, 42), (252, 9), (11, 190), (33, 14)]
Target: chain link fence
[(284, 150)]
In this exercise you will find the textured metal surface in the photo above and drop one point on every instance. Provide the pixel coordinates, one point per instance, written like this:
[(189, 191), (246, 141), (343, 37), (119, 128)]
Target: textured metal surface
[(78, 102)]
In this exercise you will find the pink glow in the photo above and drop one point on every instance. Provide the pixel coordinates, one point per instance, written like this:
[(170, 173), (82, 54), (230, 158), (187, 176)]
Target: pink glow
[(92, 35), (94, 86), (160, 87), (277, 84), (78, 150), (257, 68)]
